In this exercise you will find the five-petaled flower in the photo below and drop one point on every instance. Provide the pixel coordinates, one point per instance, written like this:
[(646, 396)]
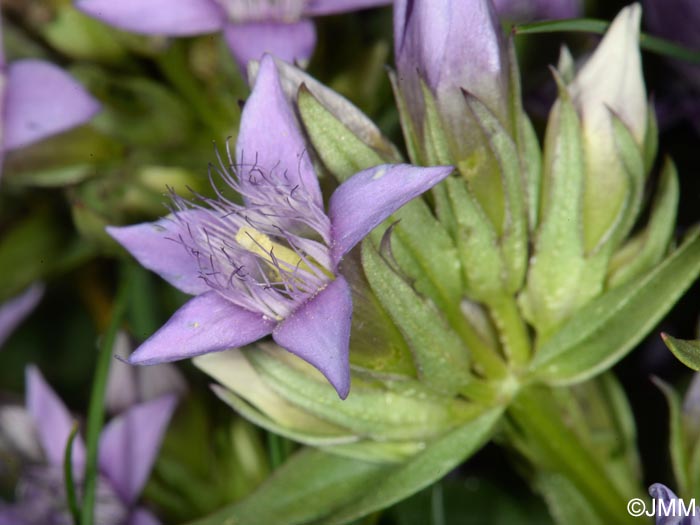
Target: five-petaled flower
[(251, 28), (128, 447), (271, 264)]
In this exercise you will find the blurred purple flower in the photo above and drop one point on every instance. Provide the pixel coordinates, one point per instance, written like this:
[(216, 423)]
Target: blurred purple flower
[(527, 10), (667, 505), (128, 447), (269, 266), (280, 27), (14, 311), (39, 99), (128, 385)]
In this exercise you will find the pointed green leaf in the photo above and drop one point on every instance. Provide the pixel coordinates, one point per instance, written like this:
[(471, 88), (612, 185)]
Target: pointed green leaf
[(513, 239), (342, 152), (555, 273), (645, 250), (310, 485), (437, 149), (441, 357), (679, 451), (651, 139), (408, 127), (604, 330), (371, 409), (441, 456), (687, 352)]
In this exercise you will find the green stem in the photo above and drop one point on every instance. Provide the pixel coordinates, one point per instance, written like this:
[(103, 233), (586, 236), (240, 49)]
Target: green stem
[(68, 476), (513, 332), (96, 409), (553, 443), (172, 65)]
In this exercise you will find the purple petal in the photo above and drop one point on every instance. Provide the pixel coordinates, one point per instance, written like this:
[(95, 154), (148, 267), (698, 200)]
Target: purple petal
[(362, 202), (141, 516), (291, 42), (207, 323), (156, 246), (331, 7), (269, 138), (41, 100), (160, 17), (128, 385), (129, 445), (13, 312), (319, 333), (52, 420)]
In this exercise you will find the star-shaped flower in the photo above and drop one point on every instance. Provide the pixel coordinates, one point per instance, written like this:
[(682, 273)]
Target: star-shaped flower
[(271, 264), (251, 28)]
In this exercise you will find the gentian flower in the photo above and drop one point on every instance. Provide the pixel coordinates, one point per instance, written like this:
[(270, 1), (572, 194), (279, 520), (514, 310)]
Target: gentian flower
[(671, 515), (39, 99), (14, 311), (280, 27), (128, 385), (271, 264), (128, 448), (451, 47)]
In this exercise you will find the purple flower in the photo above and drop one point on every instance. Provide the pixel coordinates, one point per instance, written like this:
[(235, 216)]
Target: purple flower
[(668, 509), (128, 447), (525, 10), (451, 46), (270, 265), (13, 312), (251, 28), (38, 99)]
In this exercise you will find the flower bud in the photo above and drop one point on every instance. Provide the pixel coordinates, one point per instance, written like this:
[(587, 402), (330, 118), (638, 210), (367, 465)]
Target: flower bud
[(609, 85)]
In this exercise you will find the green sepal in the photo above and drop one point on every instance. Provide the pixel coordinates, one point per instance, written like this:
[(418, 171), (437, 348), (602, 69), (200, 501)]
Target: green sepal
[(606, 328), (687, 352), (646, 249), (435, 142), (529, 152), (341, 151), (513, 241), (630, 156), (554, 280), (678, 448), (651, 138), (408, 127), (371, 409), (477, 243), (440, 356), (307, 487), (566, 66), (439, 457)]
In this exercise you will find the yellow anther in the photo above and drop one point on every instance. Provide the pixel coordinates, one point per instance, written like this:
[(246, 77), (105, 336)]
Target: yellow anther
[(261, 245)]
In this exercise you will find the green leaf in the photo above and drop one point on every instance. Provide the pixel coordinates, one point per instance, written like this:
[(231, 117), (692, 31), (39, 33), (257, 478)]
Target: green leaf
[(590, 25), (342, 152), (604, 330), (566, 503), (651, 139), (441, 358), (555, 274), (407, 125), (680, 459), (644, 251), (513, 241), (440, 457), (687, 352), (310, 485), (437, 149), (373, 410)]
